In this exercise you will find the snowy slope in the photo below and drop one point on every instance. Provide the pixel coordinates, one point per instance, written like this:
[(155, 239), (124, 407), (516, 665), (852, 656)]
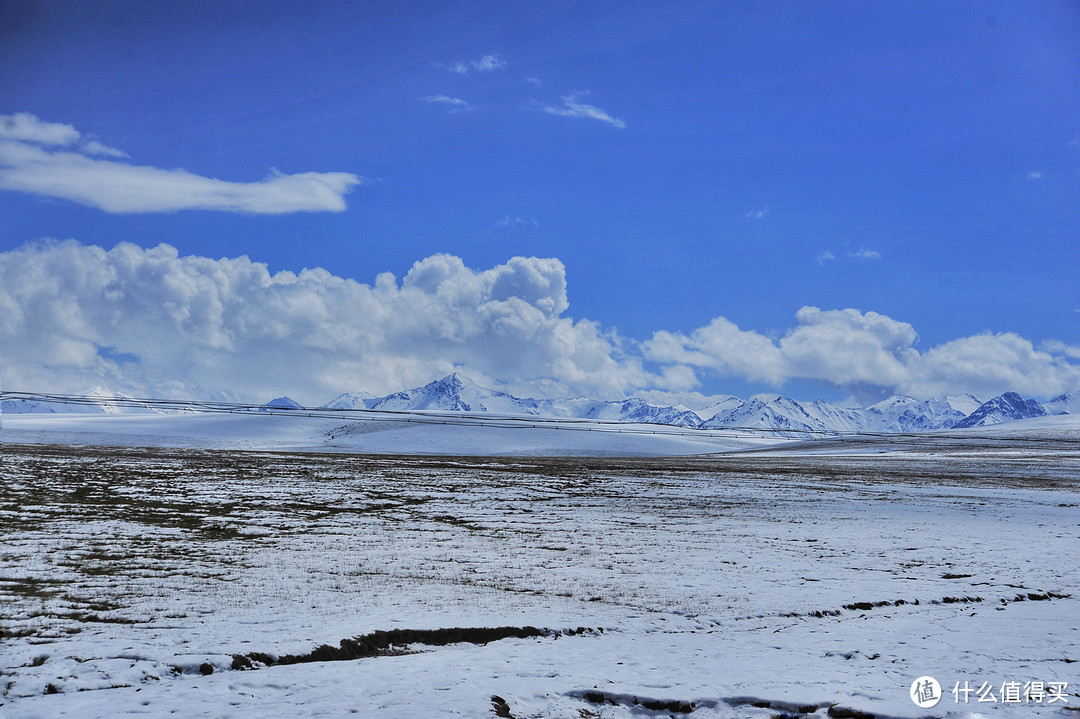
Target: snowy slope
[(30, 406), (965, 404), (417, 434), (350, 400), (725, 404), (94, 401), (630, 410)]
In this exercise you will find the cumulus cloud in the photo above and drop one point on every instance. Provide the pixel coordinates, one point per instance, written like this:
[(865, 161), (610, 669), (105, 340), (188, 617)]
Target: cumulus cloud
[(24, 127), (871, 355), (150, 321), (46, 158), (485, 64), (571, 107), (723, 347), (153, 322)]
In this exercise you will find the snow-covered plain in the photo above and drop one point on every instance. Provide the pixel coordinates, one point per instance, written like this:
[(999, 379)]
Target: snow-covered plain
[(735, 585), (380, 433)]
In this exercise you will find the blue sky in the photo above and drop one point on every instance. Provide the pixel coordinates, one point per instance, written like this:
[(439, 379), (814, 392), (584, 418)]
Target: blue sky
[(682, 161)]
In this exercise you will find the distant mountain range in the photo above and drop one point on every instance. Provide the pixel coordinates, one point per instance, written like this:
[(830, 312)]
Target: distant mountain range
[(457, 393)]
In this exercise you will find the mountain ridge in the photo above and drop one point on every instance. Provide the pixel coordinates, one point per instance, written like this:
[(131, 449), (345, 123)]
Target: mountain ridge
[(896, 414), (788, 417)]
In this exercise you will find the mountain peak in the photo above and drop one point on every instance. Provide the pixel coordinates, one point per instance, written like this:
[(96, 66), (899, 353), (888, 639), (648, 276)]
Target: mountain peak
[(1066, 403), (282, 402), (1003, 408)]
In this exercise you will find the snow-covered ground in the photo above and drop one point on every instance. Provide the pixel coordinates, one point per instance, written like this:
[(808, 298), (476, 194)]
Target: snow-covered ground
[(463, 434), (739, 586), (385, 433)]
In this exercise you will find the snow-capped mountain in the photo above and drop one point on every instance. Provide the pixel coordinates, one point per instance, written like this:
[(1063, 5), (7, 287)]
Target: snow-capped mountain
[(281, 403), (350, 400), (897, 414), (1068, 403), (965, 404), (1003, 408), (725, 404), (629, 410), (98, 400), (907, 414), (784, 415), (457, 393)]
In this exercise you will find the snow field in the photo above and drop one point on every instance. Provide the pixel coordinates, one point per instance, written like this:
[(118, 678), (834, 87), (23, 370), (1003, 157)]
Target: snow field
[(716, 581)]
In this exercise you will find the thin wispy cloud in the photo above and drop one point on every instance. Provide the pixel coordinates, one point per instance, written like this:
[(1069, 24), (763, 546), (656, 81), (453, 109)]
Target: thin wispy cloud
[(509, 221), (96, 148), (1034, 175), (535, 81), (45, 158), (1056, 347), (571, 107), (865, 254), (487, 63), (453, 104), (824, 257), (757, 214)]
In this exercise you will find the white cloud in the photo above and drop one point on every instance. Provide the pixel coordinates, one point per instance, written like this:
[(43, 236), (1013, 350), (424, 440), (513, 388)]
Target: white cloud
[(534, 81), (572, 108), (485, 64), (871, 355), (723, 347), (1035, 175), (455, 104), (228, 328), (757, 214), (30, 163), (988, 364), (93, 147), (152, 322), (508, 221), (865, 254), (1061, 349), (848, 348), (24, 127), (824, 257)]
